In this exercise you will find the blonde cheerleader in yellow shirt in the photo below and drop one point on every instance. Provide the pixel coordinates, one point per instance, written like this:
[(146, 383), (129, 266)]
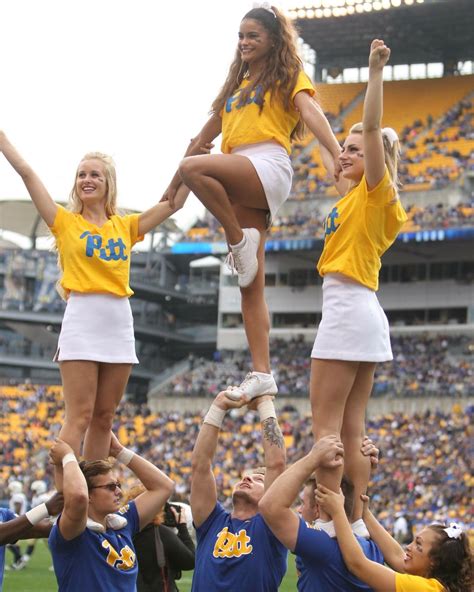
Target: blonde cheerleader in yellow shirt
[(261, 107), (353, 334), (96, 348), (437, 560)]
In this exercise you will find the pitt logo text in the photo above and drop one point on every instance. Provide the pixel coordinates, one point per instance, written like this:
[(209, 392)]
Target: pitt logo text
[(229, 544)]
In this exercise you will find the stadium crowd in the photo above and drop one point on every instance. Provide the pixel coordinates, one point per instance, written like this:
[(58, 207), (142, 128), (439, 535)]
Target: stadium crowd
[(304, 224), (429, 485), (423, 365)]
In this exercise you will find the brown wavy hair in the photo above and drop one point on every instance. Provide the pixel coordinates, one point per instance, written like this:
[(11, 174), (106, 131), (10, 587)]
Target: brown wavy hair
[(281, 69), (451, 561), (92, 468)]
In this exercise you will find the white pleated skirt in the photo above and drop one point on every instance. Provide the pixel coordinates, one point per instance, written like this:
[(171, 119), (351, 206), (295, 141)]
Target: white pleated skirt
[(273, 166), (98, 328), (354, 326)]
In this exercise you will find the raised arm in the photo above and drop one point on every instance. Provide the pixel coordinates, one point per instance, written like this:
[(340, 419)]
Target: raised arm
[(313, 116), (275, 506), (272, 439), (374, 156), (208, 133), (32, 525), (378, 577), (160, 212), (393, 553), (203, 483), (44, 203), (158, 486), (76, 496)]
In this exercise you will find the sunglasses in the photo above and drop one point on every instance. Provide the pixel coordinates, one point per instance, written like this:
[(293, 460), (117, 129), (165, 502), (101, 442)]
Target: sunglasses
[(108, 486)]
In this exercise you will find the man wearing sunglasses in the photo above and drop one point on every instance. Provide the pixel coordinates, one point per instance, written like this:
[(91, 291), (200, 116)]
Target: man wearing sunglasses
[(91, 543)]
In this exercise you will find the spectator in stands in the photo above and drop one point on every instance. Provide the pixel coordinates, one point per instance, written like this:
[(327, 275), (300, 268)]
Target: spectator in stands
[(353, 334), (236, 550), (263, 104), (318, 558), (438, 560), (33, 524), (96, 348), (162, 553), (91, 542)]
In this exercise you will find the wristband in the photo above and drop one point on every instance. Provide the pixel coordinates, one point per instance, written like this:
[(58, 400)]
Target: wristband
[(125, 456), (37, 514), (266, 409), (215, 416), (69, 457)]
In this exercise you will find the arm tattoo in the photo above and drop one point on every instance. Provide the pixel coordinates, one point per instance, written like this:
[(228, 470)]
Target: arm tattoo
[(272, 432)]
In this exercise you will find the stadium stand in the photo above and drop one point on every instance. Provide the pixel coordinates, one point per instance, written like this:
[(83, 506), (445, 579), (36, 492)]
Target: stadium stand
[(422, 366)]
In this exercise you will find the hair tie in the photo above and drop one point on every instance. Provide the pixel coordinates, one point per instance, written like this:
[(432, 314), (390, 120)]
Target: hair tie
[(454, 531), (390, 134), (266, 6)]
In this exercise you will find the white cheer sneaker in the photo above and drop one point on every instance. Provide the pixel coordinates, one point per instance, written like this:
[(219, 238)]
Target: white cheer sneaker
[(242, 258), (255, 384)]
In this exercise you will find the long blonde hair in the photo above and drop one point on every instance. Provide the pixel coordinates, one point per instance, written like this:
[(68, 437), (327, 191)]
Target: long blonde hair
[(75, 204), (281, 68), (391, 153)]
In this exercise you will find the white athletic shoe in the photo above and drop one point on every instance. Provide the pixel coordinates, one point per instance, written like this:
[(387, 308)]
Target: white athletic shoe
[(243, 259), (360, 529), (328, 527), (255, 384)]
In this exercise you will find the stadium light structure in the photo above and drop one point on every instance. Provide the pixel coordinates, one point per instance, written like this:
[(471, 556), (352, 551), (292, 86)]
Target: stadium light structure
[(340, 8)]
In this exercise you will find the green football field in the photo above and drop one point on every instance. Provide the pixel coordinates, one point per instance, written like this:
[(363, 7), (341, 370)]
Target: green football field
[(36, 576)]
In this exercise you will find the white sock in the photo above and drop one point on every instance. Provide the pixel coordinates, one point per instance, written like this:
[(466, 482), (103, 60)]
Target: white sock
[(328, 527), (360, 529), (239, 245)]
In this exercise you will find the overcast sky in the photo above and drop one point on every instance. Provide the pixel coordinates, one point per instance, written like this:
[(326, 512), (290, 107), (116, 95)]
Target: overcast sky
[(132, 78)]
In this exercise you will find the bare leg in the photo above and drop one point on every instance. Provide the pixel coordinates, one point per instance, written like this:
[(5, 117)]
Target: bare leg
[(254, 306), (112, 382), (356, 465), (331, 383), (219, 179), (79, 380)]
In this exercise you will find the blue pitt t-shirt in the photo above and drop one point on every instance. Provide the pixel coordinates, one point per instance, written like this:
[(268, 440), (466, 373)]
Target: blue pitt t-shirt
[(237, 554), (5, 516), (97, 562), (320, 563)]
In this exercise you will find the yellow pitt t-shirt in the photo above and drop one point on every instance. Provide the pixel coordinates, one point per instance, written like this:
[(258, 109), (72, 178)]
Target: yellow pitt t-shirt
[(95, 259), (246, 125), (359, 229), (407, 583)]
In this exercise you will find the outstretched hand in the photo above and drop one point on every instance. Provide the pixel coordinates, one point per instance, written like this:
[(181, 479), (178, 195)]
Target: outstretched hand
[(115, 446), (328, 452), (379, 54), (58, 451), (170, 194), (369, 449), (328, 500), (225, 403)]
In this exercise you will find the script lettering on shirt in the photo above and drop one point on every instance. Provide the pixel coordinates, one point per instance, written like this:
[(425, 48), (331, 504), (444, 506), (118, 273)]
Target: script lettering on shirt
[(229, 544), (124, 561), (330, 226), (113, 250), (256, 96)]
